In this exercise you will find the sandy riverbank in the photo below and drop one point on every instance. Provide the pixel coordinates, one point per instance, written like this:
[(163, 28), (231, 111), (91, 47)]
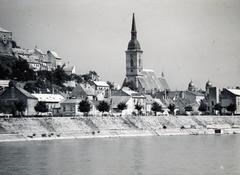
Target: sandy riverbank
[(27, 129)]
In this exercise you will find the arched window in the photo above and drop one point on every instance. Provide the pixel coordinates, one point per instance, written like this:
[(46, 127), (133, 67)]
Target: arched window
[(131, 62)]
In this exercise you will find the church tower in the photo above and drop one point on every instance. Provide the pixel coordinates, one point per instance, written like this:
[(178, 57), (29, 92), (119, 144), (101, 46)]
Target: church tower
[(134, 64)]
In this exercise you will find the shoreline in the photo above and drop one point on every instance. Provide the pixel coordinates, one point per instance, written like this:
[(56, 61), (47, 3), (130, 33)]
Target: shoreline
[(61, 128), (73, 136)]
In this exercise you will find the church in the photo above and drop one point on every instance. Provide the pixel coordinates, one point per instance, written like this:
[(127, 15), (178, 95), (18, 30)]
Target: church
[(138, 78)]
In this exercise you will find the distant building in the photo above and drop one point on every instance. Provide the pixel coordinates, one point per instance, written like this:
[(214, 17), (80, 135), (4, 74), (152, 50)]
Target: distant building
[(181, 99), (51, 100), (54, 59), (83, 91), (14, 94), (137, 78), (231, 96), (100, 85), (5, 42), (119, 96), (191, 87), (69, 70), (213, 98), (69, 107)]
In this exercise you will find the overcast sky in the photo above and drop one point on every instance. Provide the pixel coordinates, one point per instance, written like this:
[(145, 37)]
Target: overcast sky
[(187, 39)]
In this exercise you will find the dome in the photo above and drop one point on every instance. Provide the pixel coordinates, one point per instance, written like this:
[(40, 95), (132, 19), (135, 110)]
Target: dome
[(208, 84), (191, 84), (134, 45)]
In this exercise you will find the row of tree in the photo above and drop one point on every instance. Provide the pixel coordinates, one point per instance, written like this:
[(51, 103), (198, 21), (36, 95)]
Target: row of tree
[(217, 107), (103, 106)]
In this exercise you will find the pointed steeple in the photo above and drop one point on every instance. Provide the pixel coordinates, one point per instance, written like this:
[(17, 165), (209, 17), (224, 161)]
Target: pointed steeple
[(133, 43), (134, 30)]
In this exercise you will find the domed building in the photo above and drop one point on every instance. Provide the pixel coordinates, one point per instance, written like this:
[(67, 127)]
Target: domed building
[(191, 86), (208, 85)]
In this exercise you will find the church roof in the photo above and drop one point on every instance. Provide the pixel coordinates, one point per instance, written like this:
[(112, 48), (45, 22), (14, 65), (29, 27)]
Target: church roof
[(164, 83), (149, 81)]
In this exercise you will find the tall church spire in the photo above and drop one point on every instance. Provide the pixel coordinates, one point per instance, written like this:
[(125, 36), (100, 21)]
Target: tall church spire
[(133, 43), (134, 30)]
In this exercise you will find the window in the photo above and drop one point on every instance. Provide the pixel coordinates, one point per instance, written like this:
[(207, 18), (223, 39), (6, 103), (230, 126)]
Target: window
[(131, 62)]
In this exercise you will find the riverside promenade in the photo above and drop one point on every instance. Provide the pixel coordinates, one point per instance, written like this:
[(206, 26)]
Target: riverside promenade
[(51, 128)]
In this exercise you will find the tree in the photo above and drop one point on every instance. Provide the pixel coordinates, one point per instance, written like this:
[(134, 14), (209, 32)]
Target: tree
[(59, 76), (111, 85), (138, 107), (188, 108), (85, 107), (41, 107), (156, 108), (103, 106), (121, 106), (91, 76), (20, 106), (218, 107), (203, 107), (30, 87), (22, 72), (231, 108), (171, 107)]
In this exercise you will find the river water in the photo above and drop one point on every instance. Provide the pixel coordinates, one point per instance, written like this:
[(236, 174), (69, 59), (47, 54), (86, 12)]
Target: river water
[(171, 155)]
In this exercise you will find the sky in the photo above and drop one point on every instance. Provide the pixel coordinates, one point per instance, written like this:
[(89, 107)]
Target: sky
[(196, 40)]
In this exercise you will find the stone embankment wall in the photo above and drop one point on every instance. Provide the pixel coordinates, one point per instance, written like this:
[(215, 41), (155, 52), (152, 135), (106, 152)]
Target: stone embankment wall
[(91, 127)]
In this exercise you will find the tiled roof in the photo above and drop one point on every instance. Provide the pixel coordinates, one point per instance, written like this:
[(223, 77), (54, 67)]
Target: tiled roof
[(82, 90), (118, 96), (26, 93), (149, 81)]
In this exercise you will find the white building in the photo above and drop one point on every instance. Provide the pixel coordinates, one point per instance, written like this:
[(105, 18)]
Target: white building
[(51, 100)]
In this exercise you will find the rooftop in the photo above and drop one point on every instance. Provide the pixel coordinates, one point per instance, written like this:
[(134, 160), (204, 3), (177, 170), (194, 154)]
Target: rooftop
[(235, 91), (101, 83), (52, 98)]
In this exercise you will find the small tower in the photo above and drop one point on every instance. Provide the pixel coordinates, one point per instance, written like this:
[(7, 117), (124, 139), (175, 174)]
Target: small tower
[(208, 85), (134, 64)]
